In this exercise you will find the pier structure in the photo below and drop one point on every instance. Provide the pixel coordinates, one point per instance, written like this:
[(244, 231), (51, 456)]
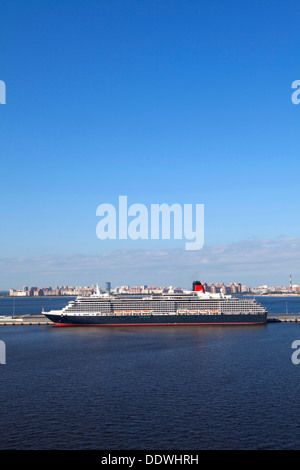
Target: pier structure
[(6, 320), (283, 317)]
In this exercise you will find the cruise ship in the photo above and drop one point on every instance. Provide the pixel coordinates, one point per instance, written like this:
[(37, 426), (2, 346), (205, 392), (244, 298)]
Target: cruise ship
[(195, 307)]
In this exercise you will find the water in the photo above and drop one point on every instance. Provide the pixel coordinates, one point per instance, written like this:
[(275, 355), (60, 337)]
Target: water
[(168, 388), (284, 304), (31, 305)]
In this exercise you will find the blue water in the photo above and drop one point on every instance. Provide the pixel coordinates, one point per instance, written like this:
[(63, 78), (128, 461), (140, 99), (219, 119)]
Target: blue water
[(145, 388), (285, 304), (31, 305)]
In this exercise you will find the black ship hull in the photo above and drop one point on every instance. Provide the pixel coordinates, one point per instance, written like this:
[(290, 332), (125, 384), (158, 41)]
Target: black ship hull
[(136, 320)]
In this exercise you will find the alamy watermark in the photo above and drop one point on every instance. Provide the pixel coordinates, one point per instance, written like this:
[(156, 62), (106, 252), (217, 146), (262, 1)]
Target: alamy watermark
[(295, 356), (161, 222), (2, 352), (2, 92), (296, 94)]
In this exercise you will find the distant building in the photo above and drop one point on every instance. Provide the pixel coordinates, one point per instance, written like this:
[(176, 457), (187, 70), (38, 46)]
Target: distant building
[(232, 288)]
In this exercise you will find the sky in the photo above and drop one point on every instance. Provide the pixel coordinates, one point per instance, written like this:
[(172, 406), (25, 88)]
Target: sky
[(161, 101)]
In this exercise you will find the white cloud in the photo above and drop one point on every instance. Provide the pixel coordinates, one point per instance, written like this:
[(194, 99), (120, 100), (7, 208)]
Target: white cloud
[(250, 262)]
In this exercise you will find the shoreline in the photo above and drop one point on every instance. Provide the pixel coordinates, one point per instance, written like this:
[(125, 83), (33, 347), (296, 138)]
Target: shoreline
[(36, 296), (272, 295)]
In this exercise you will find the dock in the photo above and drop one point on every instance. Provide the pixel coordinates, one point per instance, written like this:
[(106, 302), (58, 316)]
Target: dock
[(283, 318), (26, 320)]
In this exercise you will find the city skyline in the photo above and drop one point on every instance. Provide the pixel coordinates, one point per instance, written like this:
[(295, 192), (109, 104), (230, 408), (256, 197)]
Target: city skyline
[(213, 287)]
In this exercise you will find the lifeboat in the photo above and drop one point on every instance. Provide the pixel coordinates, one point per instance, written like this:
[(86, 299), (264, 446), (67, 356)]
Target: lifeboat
[(146, 311), (118, 311), (193, 311), (127, 311), (136, 311)]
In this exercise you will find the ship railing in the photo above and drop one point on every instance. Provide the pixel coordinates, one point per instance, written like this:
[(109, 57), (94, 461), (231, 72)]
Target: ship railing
[(239, 312), (198, 312), (132, 312)]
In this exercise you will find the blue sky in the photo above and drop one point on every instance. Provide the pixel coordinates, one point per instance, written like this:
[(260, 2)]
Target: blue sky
[(162, 101)]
